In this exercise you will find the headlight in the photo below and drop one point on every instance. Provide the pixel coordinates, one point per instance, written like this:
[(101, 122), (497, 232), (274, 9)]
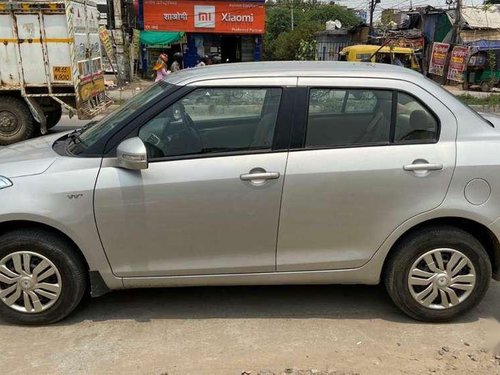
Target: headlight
[(5, 182)]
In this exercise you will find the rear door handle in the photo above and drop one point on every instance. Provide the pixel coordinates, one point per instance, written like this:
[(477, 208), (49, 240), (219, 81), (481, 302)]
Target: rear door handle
[(423, 167), (260, 176)]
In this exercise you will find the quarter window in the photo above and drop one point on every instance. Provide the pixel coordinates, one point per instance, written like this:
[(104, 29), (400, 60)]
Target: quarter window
[(414, 122), (214, 120)]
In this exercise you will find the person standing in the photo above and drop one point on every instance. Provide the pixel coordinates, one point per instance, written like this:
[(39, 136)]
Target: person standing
[(205, 60), (177, 64), (160, 67)]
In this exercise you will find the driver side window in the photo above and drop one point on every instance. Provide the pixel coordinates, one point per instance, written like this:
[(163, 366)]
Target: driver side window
[(214, 120)]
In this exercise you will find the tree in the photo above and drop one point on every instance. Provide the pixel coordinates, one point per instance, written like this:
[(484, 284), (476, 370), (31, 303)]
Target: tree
[(283, 43)]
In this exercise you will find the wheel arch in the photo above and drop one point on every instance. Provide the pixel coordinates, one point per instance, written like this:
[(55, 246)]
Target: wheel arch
[(482, 233), (13, 225)]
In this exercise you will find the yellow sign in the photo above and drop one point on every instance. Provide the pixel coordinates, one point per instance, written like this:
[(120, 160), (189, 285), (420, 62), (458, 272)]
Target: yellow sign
[(92, 88), (106, 42), (61, 73)]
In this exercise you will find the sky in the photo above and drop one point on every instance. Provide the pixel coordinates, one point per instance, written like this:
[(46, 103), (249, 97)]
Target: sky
[(402, 4)]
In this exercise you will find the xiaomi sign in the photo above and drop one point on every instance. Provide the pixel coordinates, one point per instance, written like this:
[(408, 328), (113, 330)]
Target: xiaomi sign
[(231, 17)]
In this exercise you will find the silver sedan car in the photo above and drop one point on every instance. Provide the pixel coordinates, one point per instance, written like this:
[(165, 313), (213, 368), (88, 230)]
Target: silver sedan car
[(260, 173)]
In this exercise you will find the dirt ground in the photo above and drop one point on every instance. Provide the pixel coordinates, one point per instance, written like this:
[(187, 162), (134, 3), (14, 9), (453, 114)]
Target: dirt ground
[(294, 330)]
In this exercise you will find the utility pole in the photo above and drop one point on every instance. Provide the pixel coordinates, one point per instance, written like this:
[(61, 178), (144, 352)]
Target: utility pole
[(291, 10), (455, 33), (119, 37), (373, 4)]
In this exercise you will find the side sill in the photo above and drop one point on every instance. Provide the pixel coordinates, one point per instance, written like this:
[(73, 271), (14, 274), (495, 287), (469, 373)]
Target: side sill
[(364, 275)]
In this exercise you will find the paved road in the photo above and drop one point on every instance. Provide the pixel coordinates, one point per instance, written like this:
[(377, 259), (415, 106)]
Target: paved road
[(67, 123)]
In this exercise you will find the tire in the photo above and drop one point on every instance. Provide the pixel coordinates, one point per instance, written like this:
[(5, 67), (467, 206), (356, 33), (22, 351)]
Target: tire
[(53, 117), (413, 247), (485, 86), (16, 122), (69, 276)]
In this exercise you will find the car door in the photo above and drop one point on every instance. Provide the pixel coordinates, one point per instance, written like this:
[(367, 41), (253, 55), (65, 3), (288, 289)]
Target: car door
[(369, 154), (209, 201)]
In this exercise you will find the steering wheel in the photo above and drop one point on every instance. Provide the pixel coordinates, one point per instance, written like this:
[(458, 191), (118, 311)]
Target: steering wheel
[(190, 125), (153, 151)]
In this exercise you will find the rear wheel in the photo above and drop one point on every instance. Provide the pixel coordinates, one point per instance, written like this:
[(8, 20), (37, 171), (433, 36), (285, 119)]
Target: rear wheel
[(53, 117), (438, 273), (16, 122), (42, 278), (486, 86)]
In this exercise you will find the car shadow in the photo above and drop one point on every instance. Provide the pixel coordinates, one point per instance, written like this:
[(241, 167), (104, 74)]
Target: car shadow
[(259, 302)]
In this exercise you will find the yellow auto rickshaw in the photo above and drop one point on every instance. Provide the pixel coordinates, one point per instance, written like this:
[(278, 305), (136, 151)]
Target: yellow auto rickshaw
[(381, 54)]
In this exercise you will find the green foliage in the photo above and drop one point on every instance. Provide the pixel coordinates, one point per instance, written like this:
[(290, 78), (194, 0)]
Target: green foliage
[(283, 43), (287, 45), (490, 100), (492, 62), (307, 50)]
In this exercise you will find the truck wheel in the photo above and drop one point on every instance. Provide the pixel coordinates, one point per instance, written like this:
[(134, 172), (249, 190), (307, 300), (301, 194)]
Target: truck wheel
[(53, 117), (42, 279), (438, 273), (16, 122)]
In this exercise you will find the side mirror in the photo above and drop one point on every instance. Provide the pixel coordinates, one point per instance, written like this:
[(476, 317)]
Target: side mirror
[(132, 154)]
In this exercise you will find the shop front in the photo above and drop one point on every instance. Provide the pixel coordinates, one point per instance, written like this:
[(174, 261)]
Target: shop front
[(225, 31)]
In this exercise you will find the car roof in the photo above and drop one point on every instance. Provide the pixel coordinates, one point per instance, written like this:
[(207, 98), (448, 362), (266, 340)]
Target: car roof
[(292, 69)]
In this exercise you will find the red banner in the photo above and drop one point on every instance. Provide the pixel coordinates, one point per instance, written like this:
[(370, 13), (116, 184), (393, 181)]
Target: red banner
[(438, 58), (458, 63), (237, 17), (414, 43)]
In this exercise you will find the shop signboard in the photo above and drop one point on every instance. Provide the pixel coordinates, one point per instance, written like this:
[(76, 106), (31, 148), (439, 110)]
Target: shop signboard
[(458, 63), (438, 58), (202, 16)]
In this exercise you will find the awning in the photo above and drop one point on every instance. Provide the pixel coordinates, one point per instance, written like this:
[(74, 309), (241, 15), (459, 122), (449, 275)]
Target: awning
[(484, 45), (160, 38)]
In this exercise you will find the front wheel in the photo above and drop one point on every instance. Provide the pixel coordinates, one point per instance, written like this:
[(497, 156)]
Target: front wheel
[(438, 273), (42, 278)]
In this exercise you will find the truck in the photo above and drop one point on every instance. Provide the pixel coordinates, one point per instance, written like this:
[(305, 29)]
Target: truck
[(50, 60)]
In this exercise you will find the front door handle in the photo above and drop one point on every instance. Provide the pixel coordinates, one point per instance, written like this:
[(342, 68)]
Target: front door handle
[(423, 167), (259, 176)]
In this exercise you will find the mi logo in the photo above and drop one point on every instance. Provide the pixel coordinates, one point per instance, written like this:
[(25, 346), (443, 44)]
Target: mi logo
[(204, 16), (74, 196)]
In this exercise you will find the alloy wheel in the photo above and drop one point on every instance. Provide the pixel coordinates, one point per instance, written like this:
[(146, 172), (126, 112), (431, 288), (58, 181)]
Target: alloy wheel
[(441, 278), (29, 282)]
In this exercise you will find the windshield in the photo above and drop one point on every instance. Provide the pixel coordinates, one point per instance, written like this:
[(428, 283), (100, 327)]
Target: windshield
[(88, 136)]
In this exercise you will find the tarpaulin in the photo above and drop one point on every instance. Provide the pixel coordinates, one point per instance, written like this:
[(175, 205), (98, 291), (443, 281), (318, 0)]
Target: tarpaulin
[(160, 37)]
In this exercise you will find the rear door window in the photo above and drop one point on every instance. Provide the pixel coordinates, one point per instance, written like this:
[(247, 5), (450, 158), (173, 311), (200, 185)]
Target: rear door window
[(346, 117), (367, 117)]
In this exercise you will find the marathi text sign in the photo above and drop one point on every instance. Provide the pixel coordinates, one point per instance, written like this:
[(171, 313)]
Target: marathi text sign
[(236, 17), (438, 58), (458, 63)]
